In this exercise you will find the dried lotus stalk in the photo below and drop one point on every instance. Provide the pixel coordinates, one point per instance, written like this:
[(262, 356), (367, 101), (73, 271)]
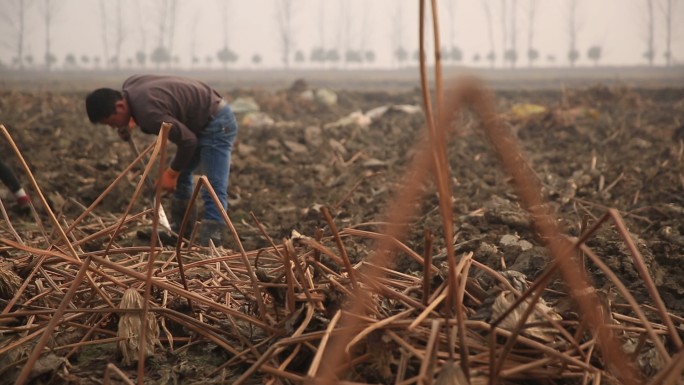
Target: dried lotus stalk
[(130, 326)]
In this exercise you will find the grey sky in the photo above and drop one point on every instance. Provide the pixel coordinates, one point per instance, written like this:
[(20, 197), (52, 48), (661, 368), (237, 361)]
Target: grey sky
[(619, 26)]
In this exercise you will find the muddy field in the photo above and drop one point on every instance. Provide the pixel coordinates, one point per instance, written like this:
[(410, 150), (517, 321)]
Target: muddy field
[(592, 146)]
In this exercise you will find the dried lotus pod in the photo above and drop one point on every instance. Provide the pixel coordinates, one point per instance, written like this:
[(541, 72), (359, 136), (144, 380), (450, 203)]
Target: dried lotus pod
[(130, 326)]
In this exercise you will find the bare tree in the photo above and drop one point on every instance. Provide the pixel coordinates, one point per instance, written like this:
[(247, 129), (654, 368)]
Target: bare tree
[(224, 5), (365, 32), (194, 59), (491, 55), (112, 33), (173, 15), (119, 35), (226, 55), (353, 30), (141, 53), (49, 10), (70, 61), (512, 52), (166, 9), (256, 59), (321, 24), (103, 24), (650, 36), (318, 52), (504, 30), (299, 57), (399, 52), (532, 53), (284, 16), (669, 11), (163, 6), (573, 29), (594, 54), (344, 30), (14, 16), (332, 55), (451, 8)]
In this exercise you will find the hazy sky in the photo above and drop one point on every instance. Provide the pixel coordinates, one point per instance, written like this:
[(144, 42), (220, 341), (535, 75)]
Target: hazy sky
[(619, 26)]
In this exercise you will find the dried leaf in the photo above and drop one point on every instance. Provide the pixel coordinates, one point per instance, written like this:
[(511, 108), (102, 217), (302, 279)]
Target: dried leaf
[(504, 301), (9, 282), (451, 374), (130, 326)]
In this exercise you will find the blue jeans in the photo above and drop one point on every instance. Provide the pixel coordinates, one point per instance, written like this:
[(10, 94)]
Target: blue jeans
[(212, 155)]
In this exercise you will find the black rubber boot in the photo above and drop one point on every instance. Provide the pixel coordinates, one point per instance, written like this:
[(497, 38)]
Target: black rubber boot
[(178, 207), (211, 230)]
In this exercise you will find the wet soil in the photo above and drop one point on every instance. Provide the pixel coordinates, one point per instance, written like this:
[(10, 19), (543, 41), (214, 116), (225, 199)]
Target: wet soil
[(593, 148)]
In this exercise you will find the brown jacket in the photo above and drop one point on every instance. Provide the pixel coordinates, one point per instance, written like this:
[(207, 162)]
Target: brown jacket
[(185, 103)]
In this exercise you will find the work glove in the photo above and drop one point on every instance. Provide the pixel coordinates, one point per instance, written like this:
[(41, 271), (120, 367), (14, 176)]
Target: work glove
[(169, 179)]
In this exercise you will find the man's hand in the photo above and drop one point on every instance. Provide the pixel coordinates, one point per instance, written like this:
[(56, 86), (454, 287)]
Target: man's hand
[(124, 133), (169, 179)]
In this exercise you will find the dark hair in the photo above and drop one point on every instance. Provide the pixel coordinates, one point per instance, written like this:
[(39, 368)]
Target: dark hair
[(101, 103)]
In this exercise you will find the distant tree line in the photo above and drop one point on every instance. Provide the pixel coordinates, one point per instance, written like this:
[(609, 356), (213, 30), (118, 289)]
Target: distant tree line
[(345, 47)]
